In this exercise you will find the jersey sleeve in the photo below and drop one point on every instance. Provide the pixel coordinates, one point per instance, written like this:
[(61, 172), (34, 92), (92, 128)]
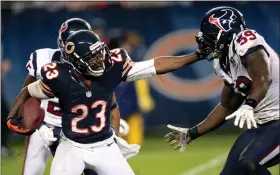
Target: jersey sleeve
[(49, 81), (122, 63), (31, 65), (247, 42), (131, 71), (38, 59)]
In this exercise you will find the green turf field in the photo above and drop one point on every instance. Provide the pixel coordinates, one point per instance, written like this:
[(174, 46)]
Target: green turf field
[(204, 156)]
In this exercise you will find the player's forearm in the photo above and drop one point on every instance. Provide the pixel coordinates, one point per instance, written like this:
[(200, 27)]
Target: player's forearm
[(258, 66), (214, 120), (230, 101), (115, 120), (115, 115), (29, 79), (20, 99), (167, 64), (259, 88), (260, 85)]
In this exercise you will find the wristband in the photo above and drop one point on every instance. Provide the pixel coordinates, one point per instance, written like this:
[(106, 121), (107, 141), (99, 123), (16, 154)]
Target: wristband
[(251, 102), (194, 133)]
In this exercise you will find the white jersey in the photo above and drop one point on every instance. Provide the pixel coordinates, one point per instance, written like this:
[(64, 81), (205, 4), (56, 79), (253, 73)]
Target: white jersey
[(233, 72), (38, 59)]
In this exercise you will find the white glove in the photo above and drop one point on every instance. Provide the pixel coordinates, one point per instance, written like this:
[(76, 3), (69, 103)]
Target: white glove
[(179, 136), (244, 113), (127, 150), (47, 134), (124, 128)]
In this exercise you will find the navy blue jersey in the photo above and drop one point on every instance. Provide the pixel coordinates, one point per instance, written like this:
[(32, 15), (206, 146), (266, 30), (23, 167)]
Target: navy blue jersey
[(85, 102)]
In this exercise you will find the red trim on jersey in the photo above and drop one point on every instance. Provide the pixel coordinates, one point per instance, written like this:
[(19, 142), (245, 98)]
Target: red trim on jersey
[(46, 89), (28, 67), (270, 152)]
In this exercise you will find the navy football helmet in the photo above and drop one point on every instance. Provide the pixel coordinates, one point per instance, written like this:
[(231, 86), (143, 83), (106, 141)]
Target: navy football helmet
[(68, 27), (87, 53), (218, 28)]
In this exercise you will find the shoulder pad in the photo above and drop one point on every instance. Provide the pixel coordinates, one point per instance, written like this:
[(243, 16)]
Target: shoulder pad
[(121, 62), (119, 55), (246, 41), (50, 77), (38, 59)]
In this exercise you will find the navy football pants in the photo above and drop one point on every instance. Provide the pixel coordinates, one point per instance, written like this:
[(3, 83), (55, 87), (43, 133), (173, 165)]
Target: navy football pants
[(259, 145)]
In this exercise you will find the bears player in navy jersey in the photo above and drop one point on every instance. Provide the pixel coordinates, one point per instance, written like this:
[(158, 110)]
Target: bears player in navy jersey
[(48, 134), (84, 82), (250, 70)]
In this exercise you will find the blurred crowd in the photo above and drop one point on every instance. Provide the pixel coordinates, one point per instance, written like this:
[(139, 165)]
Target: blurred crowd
[(77, 5), (6, 66)]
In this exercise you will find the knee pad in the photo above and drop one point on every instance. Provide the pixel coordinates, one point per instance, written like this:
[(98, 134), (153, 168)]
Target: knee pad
[(250, 167)]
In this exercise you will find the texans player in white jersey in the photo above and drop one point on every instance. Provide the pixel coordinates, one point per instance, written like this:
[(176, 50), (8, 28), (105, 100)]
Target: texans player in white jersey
[(46, 139), (250, 70), (84, 81)]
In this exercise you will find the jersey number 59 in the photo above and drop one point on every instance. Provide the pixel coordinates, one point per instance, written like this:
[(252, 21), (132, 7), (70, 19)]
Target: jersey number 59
[(248, 35)]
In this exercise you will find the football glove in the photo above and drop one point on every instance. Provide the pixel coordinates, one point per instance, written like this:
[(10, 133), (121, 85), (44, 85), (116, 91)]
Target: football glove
[(244, 114), (127, 150), (124, 128), (180, 137), (203, 47), (14, 125)]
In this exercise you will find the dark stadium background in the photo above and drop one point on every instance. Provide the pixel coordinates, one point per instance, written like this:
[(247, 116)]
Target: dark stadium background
[(27, 26)]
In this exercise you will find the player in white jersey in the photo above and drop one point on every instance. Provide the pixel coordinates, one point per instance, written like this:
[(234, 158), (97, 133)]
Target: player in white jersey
[(250, 70), (46, 139)]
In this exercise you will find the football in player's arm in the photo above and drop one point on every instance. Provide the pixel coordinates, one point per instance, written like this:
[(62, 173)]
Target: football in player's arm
[(255, 59), (138, 70), (115, 113)]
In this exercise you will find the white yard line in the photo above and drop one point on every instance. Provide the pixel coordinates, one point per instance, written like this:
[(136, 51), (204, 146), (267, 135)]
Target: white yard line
[(205, 166)]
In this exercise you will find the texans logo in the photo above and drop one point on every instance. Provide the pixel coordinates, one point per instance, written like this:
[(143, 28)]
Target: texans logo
[(63, 27), (224, 21)]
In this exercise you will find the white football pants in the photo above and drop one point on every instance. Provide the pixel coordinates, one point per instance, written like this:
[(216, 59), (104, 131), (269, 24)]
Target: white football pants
[(36, 155), (104, 157)]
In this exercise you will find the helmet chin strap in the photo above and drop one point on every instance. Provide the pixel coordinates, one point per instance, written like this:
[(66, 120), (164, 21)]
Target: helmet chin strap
[(219, 35), (96, 73), (217, 52)]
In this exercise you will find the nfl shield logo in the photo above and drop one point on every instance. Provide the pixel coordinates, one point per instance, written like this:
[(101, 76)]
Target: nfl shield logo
[(88, 94)]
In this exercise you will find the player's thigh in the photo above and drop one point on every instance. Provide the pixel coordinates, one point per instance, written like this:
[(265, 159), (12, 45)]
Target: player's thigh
[(239, 145), (36, 155), (265, 147), (112, 162), (66, 161)]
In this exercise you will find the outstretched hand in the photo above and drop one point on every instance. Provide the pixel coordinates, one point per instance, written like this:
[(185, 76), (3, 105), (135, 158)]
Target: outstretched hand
[(179, 137)]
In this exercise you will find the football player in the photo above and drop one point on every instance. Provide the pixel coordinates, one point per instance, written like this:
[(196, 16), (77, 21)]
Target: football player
[(250, 70), (48, 135), (84, 82)]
